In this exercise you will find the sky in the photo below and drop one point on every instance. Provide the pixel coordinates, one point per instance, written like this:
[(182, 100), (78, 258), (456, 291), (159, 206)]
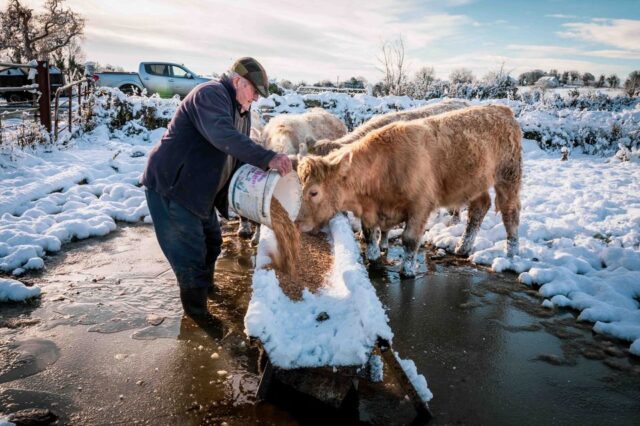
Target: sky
[(336, 39)]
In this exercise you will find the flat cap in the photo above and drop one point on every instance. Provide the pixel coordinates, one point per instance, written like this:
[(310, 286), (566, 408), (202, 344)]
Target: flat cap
[(251, 69)]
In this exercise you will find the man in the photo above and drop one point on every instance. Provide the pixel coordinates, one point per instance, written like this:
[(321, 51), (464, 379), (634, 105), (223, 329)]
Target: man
[(188, 173)]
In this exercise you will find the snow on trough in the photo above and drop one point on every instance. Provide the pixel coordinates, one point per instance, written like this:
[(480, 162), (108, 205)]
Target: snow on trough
[(289, 330)]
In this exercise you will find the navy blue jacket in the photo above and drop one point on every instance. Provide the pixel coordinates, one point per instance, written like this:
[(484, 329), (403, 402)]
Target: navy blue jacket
[(186, 165)]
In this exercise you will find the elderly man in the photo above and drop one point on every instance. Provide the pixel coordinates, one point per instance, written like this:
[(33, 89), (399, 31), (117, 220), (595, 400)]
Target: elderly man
[(188, 173)]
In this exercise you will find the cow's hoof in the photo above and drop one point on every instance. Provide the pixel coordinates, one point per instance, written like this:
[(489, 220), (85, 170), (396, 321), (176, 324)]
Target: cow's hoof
[(373, 253), (408, 270), (245, 234), (462, 251)]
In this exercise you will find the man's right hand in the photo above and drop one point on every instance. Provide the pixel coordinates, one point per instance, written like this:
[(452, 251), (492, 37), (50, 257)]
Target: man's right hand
[(281, 163)]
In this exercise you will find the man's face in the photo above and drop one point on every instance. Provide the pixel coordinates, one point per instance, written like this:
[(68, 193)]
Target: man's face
[(245, 93)]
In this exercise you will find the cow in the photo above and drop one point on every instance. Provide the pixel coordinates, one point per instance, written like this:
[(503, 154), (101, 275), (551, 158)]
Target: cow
[(403, 171), (377, 239), (293, 134), (325, 146)]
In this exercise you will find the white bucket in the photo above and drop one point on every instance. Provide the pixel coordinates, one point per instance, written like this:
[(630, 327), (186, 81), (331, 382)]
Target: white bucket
[(251, 190)]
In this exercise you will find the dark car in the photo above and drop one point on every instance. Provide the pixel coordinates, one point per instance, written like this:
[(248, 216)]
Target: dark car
[(19, 76)]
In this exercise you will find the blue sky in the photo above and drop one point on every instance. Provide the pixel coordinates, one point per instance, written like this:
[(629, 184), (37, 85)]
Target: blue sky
[(337, 39)]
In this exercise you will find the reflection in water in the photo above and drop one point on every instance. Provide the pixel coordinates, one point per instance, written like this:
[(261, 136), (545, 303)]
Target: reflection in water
[(480, 340)]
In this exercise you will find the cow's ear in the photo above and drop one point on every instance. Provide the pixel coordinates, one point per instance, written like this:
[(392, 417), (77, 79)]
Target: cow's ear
[(343, 164)]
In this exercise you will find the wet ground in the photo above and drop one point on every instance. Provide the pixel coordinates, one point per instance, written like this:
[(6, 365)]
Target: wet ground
[(107, 344)]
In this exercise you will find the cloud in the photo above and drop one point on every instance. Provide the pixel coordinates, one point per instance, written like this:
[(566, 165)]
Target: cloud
[(619, 33), (561, 16), (515, 64), (559, 51), (295, 40)]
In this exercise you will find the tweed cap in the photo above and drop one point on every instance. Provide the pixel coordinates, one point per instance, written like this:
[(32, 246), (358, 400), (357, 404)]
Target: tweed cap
[(251, 69)]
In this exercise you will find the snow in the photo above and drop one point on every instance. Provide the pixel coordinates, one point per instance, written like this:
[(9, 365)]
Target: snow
[(579, 228), (15, 291), (417, 380), (289, 331)]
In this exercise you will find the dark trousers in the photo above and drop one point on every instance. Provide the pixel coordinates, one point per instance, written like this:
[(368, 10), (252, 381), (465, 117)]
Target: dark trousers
[(191, 244)]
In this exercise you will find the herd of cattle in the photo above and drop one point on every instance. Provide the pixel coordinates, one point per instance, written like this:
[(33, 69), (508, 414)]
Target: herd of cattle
[(400, 167)]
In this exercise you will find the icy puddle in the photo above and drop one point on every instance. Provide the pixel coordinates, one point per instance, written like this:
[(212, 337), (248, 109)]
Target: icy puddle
[(107, 344)]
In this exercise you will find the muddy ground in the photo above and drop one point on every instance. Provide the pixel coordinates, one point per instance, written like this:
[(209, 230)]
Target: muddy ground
[(107, 344)]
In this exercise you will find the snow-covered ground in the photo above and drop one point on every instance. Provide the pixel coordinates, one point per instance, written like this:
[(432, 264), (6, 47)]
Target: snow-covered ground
[(580, 222)]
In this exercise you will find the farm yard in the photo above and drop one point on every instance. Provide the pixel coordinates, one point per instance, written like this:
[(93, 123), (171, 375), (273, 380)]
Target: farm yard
[(577, 274), (368, 213)]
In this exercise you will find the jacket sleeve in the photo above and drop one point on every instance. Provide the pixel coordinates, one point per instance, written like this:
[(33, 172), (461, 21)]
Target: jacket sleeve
[(209, 113)]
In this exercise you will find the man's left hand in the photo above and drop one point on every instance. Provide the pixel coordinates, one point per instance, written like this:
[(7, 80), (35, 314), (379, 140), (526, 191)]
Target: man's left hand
[(281, 163)]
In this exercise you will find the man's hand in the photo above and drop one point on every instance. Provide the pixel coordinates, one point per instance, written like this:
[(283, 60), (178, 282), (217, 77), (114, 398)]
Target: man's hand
[(281, 163)]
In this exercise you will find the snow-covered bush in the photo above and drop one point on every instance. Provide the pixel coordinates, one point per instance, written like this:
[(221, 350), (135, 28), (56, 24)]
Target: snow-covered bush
[(111, 107)]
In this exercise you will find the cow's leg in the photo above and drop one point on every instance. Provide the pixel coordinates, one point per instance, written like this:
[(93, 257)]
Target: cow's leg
[(508, 202), (478, 208), (413, 231), (244, 230), (455, 216), (384, 239), (371, 236), (256, 236)]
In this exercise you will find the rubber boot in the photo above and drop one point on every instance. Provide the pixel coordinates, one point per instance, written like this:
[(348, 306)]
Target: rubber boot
[(194, 301)]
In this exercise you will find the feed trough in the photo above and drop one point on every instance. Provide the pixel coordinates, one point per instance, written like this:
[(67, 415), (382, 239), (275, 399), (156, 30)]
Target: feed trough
[(327, 341)]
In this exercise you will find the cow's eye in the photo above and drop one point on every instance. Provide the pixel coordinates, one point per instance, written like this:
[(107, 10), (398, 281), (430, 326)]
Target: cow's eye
[(313, 193)]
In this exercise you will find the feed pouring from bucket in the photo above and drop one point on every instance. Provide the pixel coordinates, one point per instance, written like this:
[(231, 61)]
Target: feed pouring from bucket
[(302, 261)]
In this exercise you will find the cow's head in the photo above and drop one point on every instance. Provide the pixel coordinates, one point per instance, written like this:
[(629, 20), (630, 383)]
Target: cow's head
[(322, 185), (324, 147)]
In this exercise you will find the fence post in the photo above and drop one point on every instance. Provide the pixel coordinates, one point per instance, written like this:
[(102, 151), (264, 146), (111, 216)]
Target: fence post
[(70, 94), (45, 97)]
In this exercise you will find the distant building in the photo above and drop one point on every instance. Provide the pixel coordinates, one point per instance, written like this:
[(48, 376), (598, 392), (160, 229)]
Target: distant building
[(547, 82)]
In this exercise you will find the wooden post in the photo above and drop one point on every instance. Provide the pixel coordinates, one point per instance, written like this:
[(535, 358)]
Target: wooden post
[(55, 127), (421, 407), (70, 104), (45, 97), (265, 380)]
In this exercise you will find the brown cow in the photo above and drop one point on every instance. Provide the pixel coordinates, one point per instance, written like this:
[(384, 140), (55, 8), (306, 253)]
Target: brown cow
[(293, 134), (325, 146), (377, 239), (404, 170)]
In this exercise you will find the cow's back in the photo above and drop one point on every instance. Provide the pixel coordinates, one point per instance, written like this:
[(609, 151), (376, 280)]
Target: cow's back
[(448, 158), (286, 133)]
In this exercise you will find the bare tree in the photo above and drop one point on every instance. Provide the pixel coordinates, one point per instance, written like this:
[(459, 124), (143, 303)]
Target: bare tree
[(461, 75), (574, 76), (632, 84), (27, 35), (393, 66), (588, 78), (70, 59), (613, 81)]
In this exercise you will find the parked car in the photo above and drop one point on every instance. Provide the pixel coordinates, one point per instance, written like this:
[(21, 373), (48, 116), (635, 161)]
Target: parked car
[(165, 78), (19, 76)]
